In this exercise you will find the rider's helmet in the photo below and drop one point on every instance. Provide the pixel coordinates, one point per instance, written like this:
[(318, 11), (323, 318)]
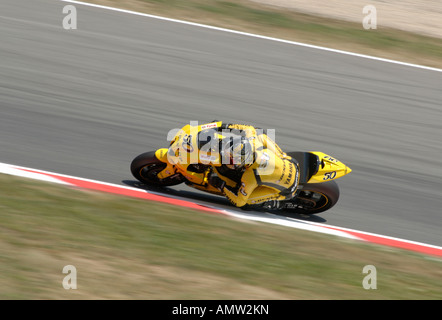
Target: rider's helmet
[(238, 153)]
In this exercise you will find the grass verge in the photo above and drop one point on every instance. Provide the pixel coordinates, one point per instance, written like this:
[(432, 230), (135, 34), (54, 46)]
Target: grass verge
[(248, 16), (126, 248)]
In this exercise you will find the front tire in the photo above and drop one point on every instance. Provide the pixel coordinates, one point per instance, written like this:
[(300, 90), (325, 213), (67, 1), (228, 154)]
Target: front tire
[(314, 198), (146, 167)]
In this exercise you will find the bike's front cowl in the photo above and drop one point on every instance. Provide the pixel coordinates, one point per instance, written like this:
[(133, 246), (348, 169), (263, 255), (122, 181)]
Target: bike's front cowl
[(317, 192)]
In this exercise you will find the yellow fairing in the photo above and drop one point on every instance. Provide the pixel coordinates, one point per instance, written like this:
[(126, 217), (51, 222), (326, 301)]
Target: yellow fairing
[(161, 154), (184, 147), (329, 169), (171, 169)]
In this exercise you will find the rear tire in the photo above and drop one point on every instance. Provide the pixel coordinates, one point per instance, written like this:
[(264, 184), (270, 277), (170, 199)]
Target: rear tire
[(146, 167), (314, 198)]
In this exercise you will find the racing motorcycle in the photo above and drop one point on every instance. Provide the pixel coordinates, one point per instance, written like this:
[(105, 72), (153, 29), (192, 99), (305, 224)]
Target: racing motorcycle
[(317, 191)]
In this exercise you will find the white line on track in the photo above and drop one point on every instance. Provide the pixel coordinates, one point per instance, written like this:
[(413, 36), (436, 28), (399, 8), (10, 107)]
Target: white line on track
[(255, 35)]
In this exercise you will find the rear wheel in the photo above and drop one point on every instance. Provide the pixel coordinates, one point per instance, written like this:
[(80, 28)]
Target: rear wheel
[(146, 167), (314, 198)]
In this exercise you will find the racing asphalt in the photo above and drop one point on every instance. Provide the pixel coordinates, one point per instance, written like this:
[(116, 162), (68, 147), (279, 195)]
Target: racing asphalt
[(85, 102)]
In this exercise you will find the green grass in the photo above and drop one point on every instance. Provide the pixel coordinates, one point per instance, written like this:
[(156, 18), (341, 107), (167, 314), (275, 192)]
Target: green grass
[(126, 248)]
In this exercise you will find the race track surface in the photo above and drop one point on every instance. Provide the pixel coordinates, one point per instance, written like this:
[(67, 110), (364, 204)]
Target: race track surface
[(85, 102)]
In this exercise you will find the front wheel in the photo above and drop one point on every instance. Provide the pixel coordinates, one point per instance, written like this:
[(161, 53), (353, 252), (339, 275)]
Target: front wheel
[(314, 198), (146, 167)]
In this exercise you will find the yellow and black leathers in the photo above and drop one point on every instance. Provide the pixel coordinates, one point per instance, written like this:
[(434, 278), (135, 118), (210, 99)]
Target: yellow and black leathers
[(272, 175)]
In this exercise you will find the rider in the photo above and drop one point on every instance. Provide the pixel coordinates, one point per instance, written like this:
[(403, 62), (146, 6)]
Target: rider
[(253, 169)]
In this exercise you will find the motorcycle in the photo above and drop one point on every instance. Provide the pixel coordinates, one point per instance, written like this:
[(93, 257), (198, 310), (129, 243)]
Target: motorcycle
[(317, 190)]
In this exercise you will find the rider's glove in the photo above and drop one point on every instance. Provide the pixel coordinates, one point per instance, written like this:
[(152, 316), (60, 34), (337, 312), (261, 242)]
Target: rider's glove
[(216, 181)]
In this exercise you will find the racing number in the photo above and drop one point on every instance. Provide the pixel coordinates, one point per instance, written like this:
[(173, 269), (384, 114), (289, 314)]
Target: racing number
[(329, 175), (187, 143)]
